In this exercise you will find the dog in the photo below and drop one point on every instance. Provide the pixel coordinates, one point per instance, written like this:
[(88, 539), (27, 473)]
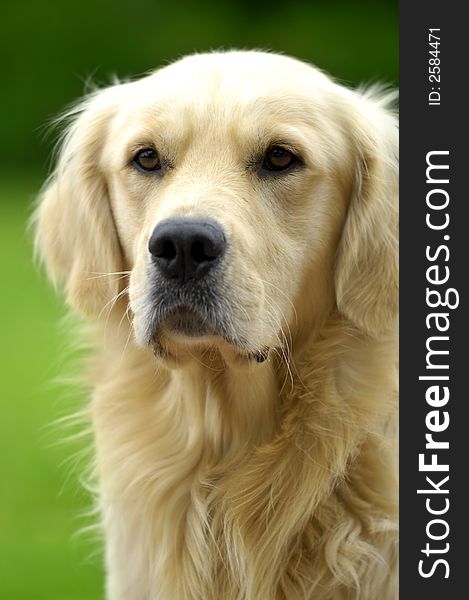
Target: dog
[(229, 225)]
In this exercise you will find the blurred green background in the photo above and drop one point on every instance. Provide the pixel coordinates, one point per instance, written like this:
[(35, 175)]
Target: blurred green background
[(49, 51)]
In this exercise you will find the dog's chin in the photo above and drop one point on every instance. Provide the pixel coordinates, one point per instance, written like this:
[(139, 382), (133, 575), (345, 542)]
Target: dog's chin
[(186, 335), (187, 325)]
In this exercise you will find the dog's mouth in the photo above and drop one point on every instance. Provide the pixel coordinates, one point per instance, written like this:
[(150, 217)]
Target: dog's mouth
[(196, 320), (186, 322), (185, 327)]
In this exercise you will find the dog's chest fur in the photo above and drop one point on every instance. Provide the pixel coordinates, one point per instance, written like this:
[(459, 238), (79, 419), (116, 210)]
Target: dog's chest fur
[(215, 485)]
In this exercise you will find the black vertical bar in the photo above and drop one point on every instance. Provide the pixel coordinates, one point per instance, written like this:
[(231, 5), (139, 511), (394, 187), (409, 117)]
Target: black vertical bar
[(433, 114)]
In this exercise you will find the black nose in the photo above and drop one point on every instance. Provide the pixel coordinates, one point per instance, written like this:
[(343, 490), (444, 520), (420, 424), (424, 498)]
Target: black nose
[(185, 248)]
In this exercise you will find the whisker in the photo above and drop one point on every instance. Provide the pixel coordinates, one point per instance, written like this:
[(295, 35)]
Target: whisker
[(97, 274), (288, 299), (112, 304)]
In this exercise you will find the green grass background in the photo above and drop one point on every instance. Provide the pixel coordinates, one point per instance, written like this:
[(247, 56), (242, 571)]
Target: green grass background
[(41, 556), (48, 51)]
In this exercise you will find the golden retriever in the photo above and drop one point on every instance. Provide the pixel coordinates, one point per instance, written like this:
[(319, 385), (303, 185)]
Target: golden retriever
[(229, 223)]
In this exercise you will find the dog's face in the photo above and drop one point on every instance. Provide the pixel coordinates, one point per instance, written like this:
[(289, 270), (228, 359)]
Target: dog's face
[(245, 193)]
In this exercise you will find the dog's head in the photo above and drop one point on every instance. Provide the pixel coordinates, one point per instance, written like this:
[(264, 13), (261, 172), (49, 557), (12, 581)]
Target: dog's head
[(246, 194)]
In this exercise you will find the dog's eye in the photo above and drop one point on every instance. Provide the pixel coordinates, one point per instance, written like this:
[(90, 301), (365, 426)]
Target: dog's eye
[(278, 159), (147, 160)]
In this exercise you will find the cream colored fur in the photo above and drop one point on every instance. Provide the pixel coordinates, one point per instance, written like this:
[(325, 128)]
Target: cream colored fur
[(220, 478)]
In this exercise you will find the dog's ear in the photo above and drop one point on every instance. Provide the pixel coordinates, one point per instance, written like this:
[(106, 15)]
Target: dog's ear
[(75, 232), (366, 275)]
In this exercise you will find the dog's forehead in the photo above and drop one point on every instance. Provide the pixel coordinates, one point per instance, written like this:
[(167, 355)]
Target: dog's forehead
[(218, 83), (236, 72)]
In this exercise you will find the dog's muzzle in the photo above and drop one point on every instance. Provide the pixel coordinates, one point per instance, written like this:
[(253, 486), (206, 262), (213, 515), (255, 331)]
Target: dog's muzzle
[(187, 273)]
